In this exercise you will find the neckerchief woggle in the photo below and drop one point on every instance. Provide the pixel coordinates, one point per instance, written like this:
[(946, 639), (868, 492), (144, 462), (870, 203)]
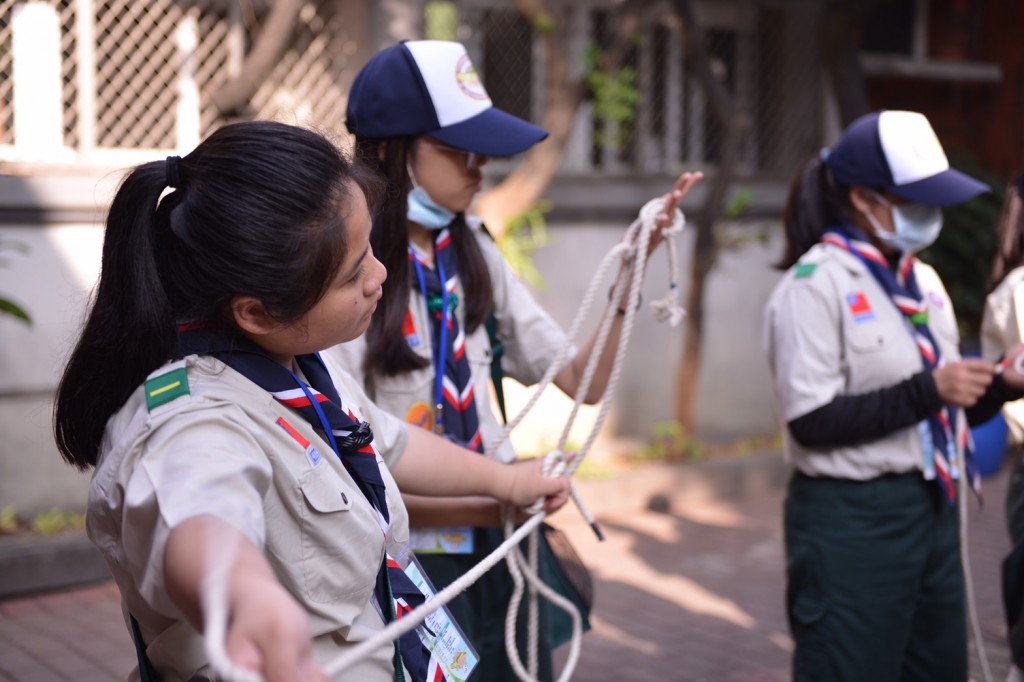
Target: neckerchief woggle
[(319, 403), (455, 414), (947, 427)]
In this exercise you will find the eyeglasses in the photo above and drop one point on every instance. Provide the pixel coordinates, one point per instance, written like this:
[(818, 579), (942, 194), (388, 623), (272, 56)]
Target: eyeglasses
[(473, 160)]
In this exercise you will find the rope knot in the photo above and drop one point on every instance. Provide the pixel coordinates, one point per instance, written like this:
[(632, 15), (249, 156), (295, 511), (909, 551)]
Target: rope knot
[(553, 467)]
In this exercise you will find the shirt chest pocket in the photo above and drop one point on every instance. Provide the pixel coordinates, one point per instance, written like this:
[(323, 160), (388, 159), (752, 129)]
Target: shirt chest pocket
[(342, 543), (868, 339), (879, 355)]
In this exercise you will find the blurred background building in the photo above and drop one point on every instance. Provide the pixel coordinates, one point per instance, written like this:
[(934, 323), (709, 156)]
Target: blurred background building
[(634, 92)]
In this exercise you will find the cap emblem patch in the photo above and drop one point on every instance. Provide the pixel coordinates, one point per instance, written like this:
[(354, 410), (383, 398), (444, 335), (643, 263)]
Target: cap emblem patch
[(468, 80)]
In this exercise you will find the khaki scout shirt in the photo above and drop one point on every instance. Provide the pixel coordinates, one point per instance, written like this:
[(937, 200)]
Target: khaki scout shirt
[(831, 330), (1002, 328), (218, 450), (529, 336)]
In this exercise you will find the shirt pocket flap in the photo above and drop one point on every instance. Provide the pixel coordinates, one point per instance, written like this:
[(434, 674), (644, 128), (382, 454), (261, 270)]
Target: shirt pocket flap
[(869, 339), (323, 495)]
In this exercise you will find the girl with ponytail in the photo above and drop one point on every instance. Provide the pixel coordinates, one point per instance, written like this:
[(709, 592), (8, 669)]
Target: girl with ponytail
[(1002, 328), (223, 444)]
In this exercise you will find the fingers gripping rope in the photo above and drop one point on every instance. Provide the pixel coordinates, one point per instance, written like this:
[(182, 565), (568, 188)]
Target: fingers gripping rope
[(633, 253)]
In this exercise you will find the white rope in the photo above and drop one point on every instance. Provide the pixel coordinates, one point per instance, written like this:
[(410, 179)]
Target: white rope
[(633, 251), (213, 593), (522, 571), (965, 561), (409, 621)]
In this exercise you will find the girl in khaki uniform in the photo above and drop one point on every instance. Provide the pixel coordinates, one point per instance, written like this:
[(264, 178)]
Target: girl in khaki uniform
[(423, 120), (863, 347), (1002, 328), (223, 442)]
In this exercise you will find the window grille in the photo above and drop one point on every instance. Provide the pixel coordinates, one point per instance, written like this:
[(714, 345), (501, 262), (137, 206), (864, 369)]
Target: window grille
[(126, 67), (673, 126)]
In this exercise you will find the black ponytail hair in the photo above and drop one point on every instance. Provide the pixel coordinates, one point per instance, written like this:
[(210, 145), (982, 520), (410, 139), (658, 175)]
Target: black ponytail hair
[(259, 210), (387, 352), (815, 203)]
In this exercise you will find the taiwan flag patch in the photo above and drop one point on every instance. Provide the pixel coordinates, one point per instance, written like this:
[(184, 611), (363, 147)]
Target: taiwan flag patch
[(409, 330), (859, 307)]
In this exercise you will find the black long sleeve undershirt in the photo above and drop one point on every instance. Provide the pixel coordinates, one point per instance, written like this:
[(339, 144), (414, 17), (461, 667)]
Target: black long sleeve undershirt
[(853, 419)]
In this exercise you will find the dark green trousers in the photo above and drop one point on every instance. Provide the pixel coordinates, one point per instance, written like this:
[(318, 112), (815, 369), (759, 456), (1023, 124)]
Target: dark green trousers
[(875, 587), (480, 610)]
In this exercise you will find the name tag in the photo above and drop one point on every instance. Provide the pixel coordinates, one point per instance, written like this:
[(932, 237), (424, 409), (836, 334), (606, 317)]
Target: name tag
[(441, 540)]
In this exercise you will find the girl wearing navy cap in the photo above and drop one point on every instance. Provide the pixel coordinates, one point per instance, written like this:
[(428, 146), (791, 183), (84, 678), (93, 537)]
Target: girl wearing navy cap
[(422, 119), (863, 347), (1002, 328)]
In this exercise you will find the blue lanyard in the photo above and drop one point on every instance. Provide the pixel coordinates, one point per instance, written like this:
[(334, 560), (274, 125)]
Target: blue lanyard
[(319, 412), (440, 349)]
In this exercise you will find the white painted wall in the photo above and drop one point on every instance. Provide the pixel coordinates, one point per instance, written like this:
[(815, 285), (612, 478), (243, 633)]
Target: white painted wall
[(54, 280), (735, 387), (52, 283)]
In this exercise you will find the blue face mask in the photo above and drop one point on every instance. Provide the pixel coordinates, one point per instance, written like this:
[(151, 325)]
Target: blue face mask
[(425, 211), (916, 226)]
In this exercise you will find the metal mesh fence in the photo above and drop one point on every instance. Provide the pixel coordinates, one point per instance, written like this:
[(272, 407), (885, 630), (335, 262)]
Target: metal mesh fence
[(672, 124), (123, 65)]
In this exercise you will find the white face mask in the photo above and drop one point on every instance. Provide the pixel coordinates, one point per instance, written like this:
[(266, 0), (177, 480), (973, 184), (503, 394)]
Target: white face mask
[(917, 226), (424, 211)]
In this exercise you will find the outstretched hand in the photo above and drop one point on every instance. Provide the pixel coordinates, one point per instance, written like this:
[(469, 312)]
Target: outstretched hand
[(269, 633), (684, 184)]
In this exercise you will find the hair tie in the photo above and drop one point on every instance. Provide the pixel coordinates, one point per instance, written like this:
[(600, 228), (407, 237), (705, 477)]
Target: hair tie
[(172, 172)]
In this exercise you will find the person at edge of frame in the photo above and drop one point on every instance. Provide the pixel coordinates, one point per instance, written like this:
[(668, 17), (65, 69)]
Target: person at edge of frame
[(862, 343), (1002, 328)]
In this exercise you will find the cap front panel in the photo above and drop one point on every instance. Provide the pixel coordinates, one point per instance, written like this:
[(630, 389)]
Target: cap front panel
[(911, 147), (454, 86)]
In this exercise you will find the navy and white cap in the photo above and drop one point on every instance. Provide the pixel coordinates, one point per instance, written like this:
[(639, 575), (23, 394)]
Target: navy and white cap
[(430, 87), (898, 152)]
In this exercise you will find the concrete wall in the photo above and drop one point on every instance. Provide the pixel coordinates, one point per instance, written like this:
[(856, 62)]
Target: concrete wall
[(52, 282), (735, 391)]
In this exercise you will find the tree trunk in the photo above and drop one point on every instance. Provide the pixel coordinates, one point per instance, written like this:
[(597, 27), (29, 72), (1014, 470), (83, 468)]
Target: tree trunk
[(705, 250), (563, 95), (842, 63), (233, 97)]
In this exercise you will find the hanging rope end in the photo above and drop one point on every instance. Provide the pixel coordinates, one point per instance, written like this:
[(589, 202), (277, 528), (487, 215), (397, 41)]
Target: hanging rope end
[(668, 310), (597, 531)]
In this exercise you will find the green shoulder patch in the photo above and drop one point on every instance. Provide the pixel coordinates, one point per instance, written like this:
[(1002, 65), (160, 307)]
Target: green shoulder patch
[(804, 270), (166, 387)]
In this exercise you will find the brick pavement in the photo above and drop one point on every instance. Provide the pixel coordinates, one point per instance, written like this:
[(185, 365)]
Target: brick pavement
[(690, 596), (697, 595)]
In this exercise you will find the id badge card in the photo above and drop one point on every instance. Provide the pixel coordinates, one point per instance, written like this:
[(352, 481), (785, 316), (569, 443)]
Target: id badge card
[(441, 540), (455, 656)]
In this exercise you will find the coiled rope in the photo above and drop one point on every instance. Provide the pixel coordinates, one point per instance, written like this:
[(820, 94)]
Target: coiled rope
[(631, 252)]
